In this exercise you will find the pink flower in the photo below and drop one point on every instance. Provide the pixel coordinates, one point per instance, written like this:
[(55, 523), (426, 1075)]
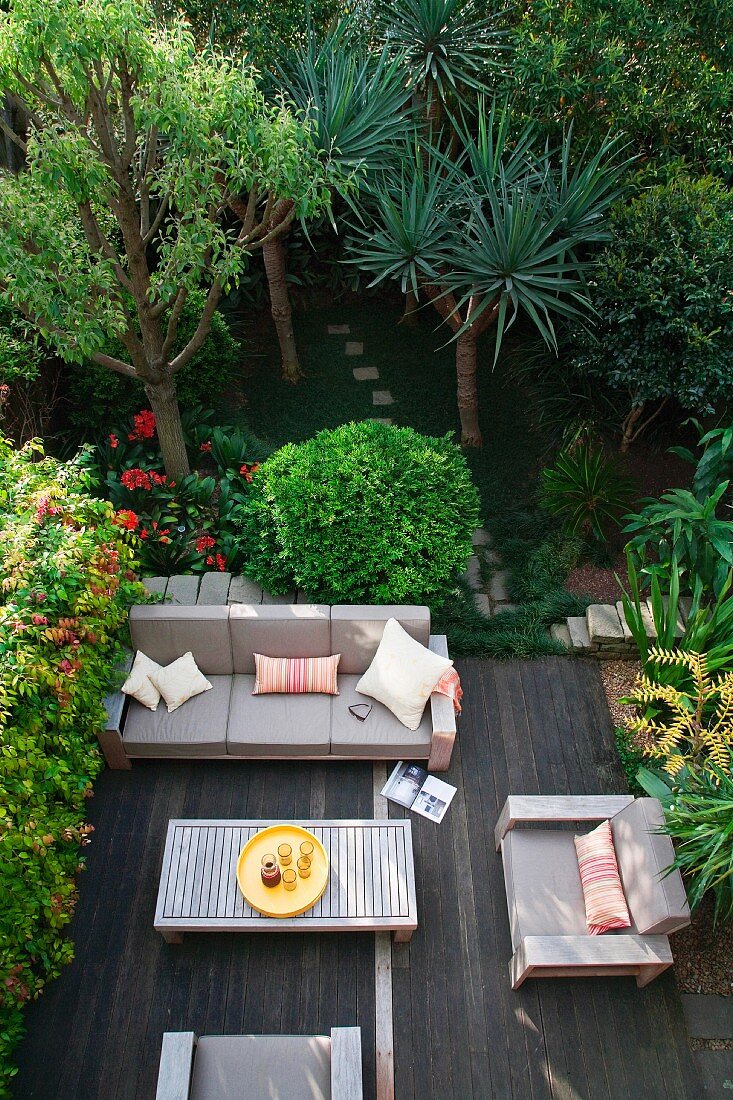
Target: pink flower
[(40, 620)]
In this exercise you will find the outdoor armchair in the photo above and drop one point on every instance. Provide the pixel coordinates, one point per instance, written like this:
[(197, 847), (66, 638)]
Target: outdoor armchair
[(545, 901)]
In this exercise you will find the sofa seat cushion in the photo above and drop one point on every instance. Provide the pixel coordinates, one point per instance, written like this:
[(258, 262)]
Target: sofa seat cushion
[(277, 725), (381, 736), (197, 728), (255, 1067), (543, 890)]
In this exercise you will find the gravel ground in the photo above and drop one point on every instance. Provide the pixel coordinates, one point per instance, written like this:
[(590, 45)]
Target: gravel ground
[(600, 584), (703, 954)]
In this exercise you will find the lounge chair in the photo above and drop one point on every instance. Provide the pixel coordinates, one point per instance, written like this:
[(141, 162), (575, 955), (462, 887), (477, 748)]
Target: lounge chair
[(255, 1067), (545, 901)]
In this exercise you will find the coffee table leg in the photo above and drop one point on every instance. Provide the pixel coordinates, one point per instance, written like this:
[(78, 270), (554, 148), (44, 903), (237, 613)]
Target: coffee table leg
[(403, 935), (171, 937)]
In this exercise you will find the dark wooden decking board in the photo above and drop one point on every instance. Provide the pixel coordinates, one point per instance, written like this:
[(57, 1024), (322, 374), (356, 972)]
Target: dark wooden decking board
[(459, 1030)]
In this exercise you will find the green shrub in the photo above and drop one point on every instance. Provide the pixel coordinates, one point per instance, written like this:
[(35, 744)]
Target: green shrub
[(631, 757), (586, 491), (99, 398), (661, 291), (362, 513), (65, 572)]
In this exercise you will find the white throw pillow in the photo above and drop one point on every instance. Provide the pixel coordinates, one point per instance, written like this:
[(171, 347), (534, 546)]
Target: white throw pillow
[(180, 681), (402, 675), (139, 685)]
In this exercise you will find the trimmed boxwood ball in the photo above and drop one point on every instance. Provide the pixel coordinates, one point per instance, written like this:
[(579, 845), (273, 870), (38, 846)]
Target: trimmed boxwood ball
[(365, 512)]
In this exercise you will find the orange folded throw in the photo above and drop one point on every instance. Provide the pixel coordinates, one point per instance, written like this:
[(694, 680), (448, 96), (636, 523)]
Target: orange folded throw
[(450, 684)]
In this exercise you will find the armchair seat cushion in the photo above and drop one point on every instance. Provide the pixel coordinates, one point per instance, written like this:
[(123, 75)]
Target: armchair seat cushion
[(277, 725), (543, 888), (197, 728), (381, 736), (253, 1067)]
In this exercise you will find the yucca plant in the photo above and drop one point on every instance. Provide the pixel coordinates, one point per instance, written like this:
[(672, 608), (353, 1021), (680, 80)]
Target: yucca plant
[(586, 490), (698, 811)]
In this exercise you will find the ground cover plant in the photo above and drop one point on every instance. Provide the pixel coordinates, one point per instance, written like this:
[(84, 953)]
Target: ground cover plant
[(363, 513), (66, 576)]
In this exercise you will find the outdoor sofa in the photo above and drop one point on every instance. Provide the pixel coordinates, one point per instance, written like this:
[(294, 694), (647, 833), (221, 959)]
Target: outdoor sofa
[(550, 938), (257, 1067), (230, 723)]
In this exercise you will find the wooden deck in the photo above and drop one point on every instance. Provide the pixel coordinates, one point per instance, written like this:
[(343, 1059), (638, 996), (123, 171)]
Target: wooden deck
[(459, 1030)]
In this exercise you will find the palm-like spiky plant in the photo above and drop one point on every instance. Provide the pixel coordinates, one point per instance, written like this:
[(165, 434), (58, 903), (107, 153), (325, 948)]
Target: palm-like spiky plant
[(497, 233)]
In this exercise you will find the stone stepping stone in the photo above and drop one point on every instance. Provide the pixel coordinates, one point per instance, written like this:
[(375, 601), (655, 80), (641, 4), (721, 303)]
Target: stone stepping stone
[(604, 624), (365, 374), (354, 347), (578, 630), (500, 608), (628, 636), (214, 589), (561, 634), (481, 537), (716, 1071), (498, 587), (382, 419), (338, 330), (244, 590), (382, 397), (182, 589), (472, 574), (483, 603), (708, 1016)]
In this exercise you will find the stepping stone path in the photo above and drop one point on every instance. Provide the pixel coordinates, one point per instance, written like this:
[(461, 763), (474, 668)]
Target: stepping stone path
[(382, 397), (216, 588), (491, 599), (338, 330), (354, 347), (365, 374)]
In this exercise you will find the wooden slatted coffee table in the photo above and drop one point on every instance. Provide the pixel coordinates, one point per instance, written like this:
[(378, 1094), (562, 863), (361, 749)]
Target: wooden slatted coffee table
[(371, 885)]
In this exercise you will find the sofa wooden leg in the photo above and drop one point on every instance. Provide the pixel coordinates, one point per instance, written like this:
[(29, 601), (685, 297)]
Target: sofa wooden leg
[(649, 973), (519, 971), (170, 936), (441, 750), (402, 935), (111, 744)]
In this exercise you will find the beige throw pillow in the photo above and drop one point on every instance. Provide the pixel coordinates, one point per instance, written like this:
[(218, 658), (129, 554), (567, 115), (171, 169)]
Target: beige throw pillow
[(139, 685), (402, 675), (180, 681)]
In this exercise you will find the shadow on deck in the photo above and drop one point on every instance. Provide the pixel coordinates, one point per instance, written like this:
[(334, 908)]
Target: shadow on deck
[(459, 1030)]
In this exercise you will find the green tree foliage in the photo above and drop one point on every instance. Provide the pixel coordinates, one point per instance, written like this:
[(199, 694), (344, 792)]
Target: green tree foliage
[(66, 582), (364, 513), (661, 290), (139, 150), (658, 71)]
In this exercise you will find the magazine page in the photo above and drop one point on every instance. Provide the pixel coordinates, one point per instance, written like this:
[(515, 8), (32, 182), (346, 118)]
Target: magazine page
[(403, 785), (434, 798)]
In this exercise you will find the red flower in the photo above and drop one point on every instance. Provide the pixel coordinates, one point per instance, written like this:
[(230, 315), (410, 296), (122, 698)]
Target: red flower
[(144, 425), (247, 471), (113, 441), (156, 478), (205, 447), (204, 542), (136, 479), (210, 560), (144, 533), (127, 519), (221, 563)]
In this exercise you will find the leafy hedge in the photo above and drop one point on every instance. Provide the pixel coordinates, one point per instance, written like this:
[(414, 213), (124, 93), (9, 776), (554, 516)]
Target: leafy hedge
[(364, 513), (66, 576)]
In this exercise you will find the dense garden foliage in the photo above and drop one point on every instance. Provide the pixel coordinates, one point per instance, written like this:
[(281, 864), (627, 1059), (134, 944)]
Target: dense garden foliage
[(66, 576)]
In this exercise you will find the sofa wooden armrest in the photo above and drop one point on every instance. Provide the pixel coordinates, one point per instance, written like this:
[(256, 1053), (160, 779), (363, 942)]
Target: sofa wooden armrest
[(538, 808), (110, 738), (176, 1065), (443, 717), (590, 956), (346, 1069)]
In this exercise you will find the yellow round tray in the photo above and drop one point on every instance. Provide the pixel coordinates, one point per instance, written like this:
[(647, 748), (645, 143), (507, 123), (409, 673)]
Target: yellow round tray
[(276, 901)]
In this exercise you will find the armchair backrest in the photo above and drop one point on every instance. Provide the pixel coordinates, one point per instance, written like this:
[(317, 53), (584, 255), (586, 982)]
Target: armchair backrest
[(657, 904), (165, 632), (278, 630)]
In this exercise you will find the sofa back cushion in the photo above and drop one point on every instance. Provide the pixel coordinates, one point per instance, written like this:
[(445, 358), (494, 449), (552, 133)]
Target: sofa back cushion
[(657, 905), (165, 632), (278, 630), (356, 631)]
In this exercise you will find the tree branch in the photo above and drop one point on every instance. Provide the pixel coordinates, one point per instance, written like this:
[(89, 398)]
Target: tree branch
[(162, 209), (444, 303), (172, 330), (98, 242), (10, 132), (117, 365), (202, 329)]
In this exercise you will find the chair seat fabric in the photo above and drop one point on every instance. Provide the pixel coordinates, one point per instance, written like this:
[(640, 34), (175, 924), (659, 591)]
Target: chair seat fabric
[(277, 725), (543, 890), (262, 1067), (381, 736), (197, 728)]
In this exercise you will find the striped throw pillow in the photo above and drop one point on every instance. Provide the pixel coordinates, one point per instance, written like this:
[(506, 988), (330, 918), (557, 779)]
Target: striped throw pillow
[(605, 904), (295, 674)]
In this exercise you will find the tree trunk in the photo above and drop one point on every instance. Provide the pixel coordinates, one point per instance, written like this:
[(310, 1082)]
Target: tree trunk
[(628, 426), (164, 403), (275, 259), (409, 315), (467, 390)]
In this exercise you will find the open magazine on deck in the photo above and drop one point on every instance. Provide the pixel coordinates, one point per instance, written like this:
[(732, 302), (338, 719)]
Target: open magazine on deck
[(412, 787)]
